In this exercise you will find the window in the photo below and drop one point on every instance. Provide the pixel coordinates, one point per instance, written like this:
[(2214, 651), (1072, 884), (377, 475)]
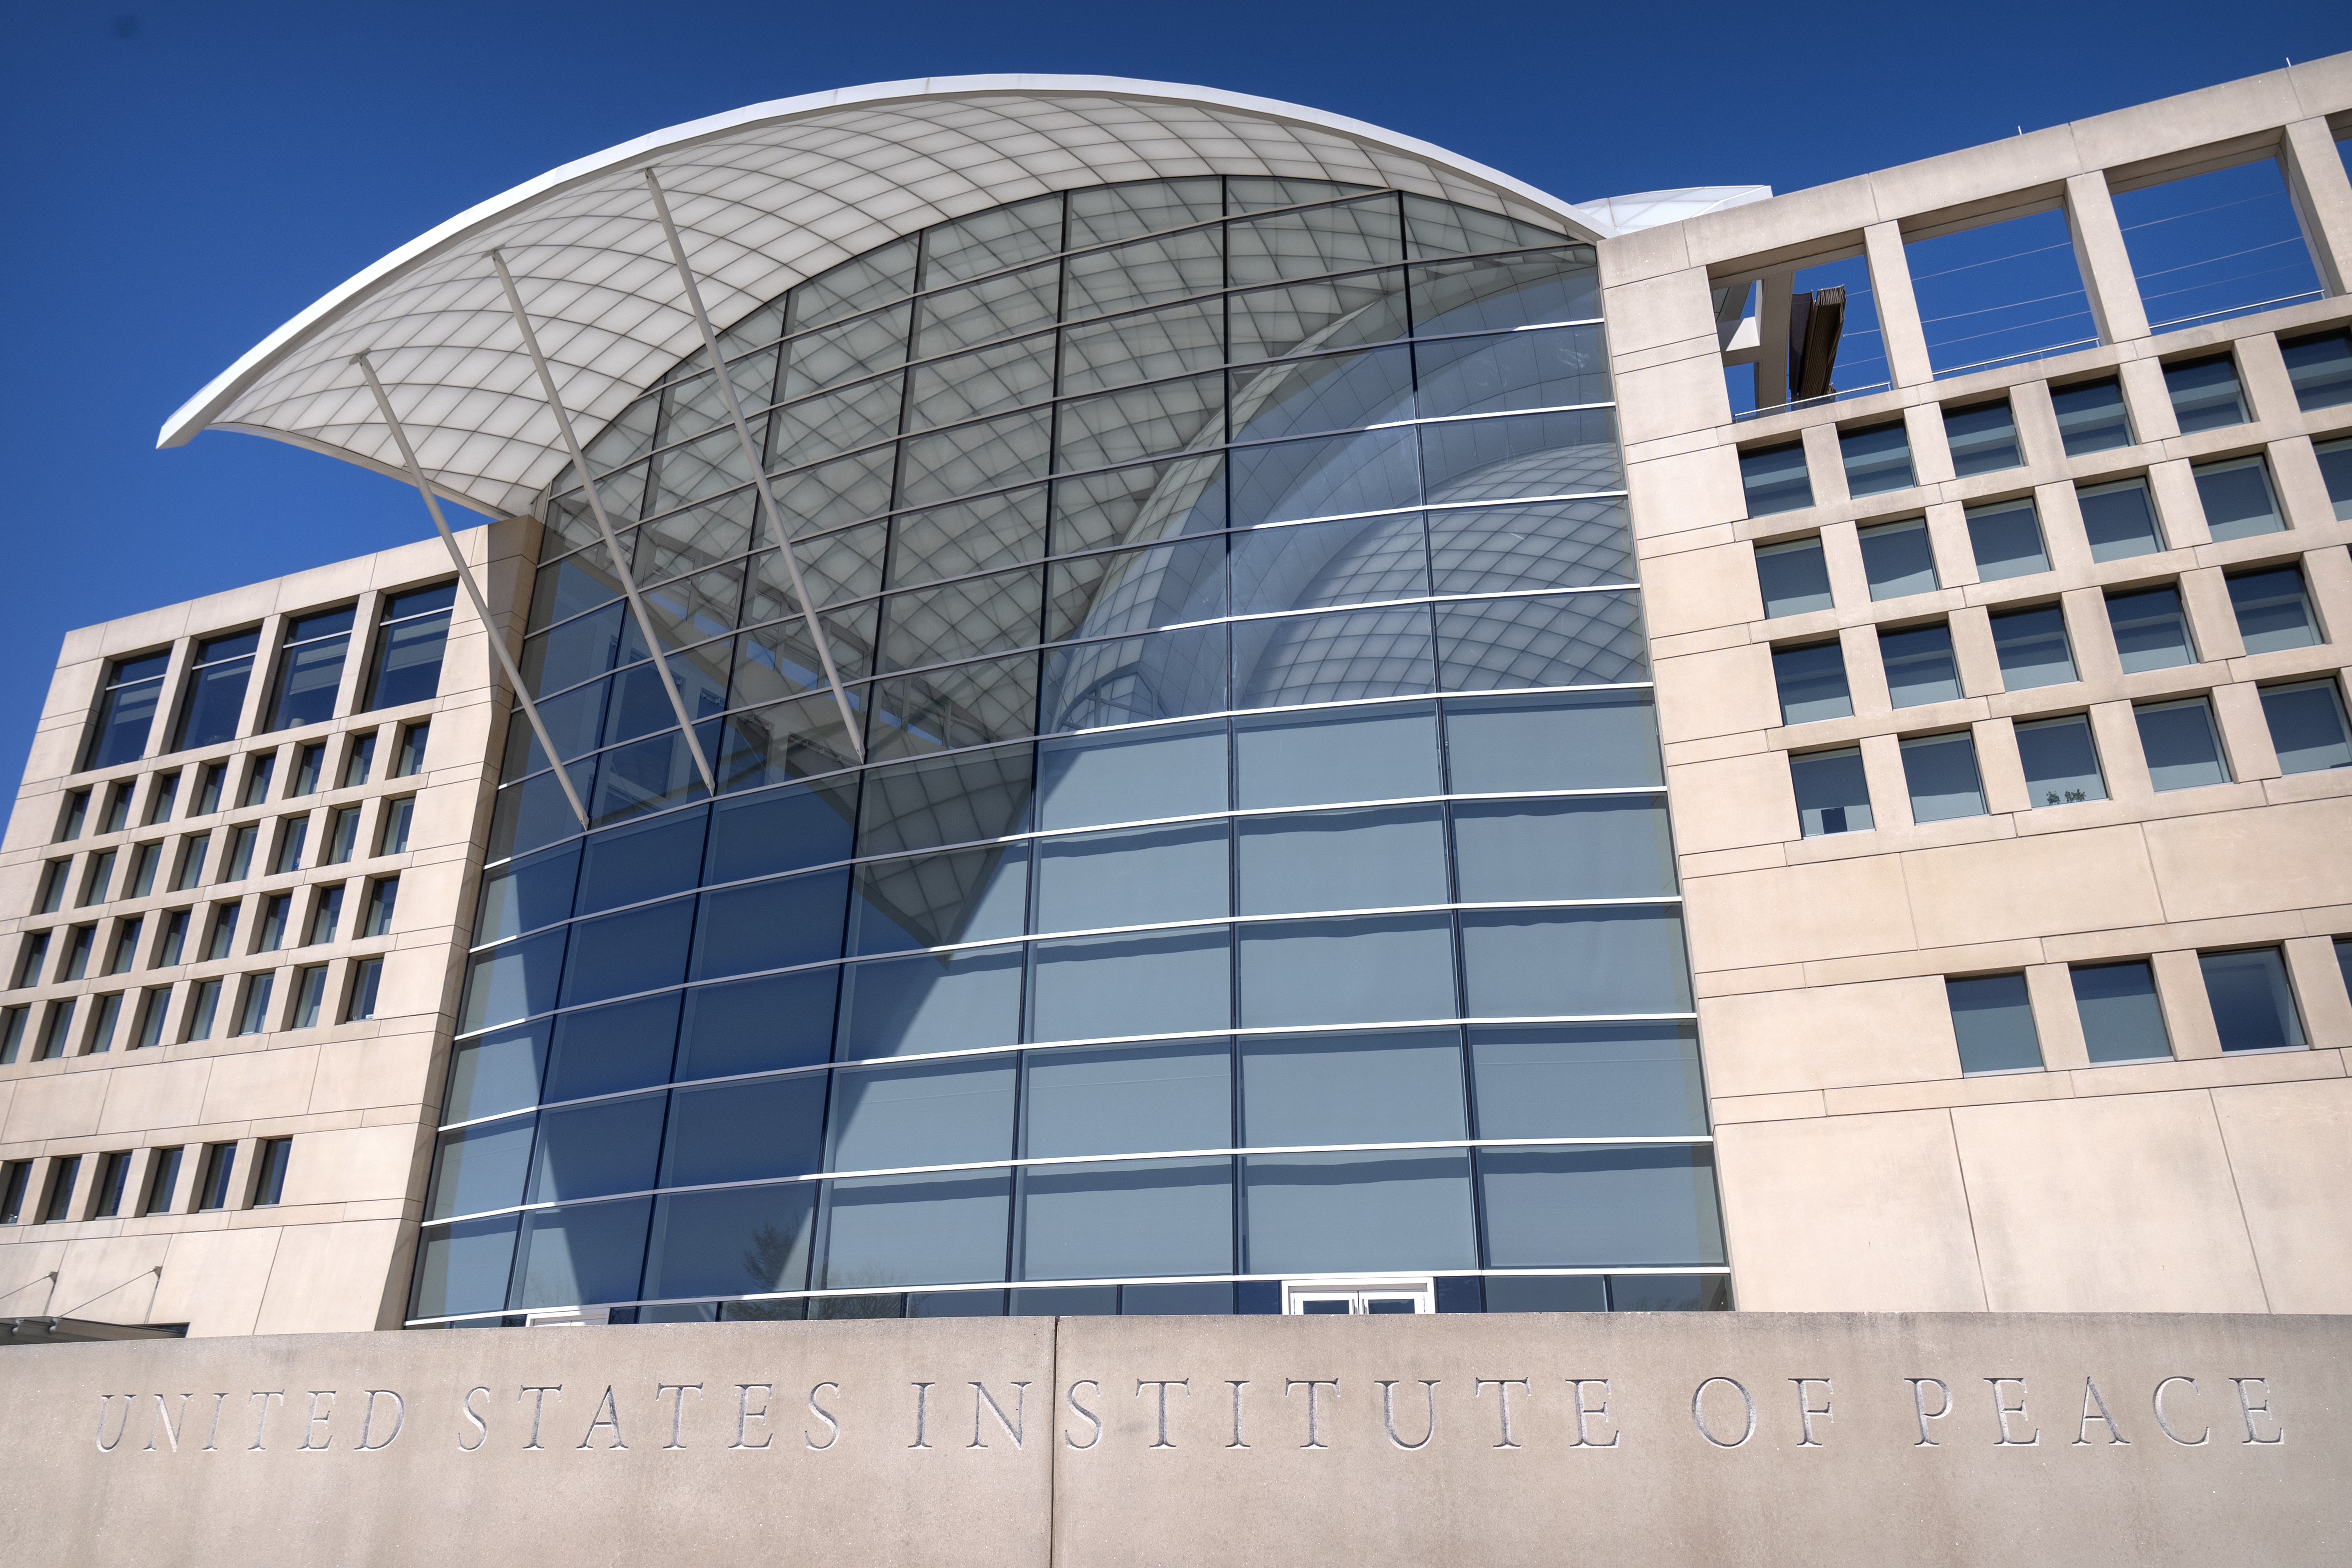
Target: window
[(1775, 479), (360, 760), (1940, 770), (143, 860), (2273, 610), (1877, 459), (203, 1009), (2205, 394), (2122, 1019), (253, 1009), (1983, 439), (160, 798), (382, 896), (223, 932), (117, 815), (76, 809), (215, 699), (309, 764), (56, 1030), (176, 938), (241, 843), (52, 896), (62, 1176), (408, 645), (326, 914), (190, 870), (2006, 538), (152, 1005), (293, 833), (1794, 578), (2062, 763), (2091, 416), (13, 1178), (126, 711), (105, 1011), (2253, 1006), (209, 788), (2183, 749), (1832, 795), (1993, 1022), (114, 1177), (410, 760), (275, 911), (162, 1181), (29, 958), (79, 942), (126, 945), (1898, 559), (96, 879), (366, 976), (2151, 632), (397, 816), (1811, 683), (220, 1169), (269, 1190), (310, 668), (2118, 520), (343, 835), (2033, 648), (2307, 726), (2336, 471), (262, 769), (1919, 665), (2238, 500), (309, 994), (12, 1033), (2320, 367)]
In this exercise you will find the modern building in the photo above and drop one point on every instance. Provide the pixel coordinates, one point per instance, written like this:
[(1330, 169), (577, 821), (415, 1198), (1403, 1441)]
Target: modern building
[(1092, 697)]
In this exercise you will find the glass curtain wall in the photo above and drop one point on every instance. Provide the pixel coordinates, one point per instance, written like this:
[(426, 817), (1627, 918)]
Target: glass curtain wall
[(1257, 864)]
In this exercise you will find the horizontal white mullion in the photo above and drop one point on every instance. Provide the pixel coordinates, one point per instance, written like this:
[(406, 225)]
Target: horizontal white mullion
[(1492, 414), (1377, 604)]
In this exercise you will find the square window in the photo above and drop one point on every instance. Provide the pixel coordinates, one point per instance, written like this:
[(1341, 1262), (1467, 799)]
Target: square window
[(2062, 763), (1775, 479), (1898, 559), (1833, 794), (2205, 394), (2122, 1019), (2320, 367), (1877, 459), (2006, 538), (2151, 631), (2033, 648), (2118, 520), (2091, 416), (1992, 1019), (1920, 668), (2254, 1005), (2238, 499), (1794, 578), (2307, 726), (1983, 439), (1811, 683), (2273, 610), (2182, 747), (1940, 770)]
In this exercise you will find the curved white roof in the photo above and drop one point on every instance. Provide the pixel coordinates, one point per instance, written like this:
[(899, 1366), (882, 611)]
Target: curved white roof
[(764, 197)]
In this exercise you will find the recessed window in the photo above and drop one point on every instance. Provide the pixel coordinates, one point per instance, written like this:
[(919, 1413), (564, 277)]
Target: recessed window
[(117, 815), (220, 1170), (1983, 439), (1992, 1020), (310, 668), (2307, 726), (2091, 416), (30, 956), (56, 1030), (397, 816), (2182, 746), (2320, 367), (162, 1181), (2335, 472), (52, 894), (126, 711), (12, 1033), (241, 842), (2239, 500), (253, 1008), (2122, 1019), (260, 769), (326, 914), (1794, 578), (125, 956), (1920, 668), (14, 1177), (1940, 770), (114, 1177), (74, 813), (2118, 520), (190, 870), (309, 764), (105, 1012), (343, 835), (204, 1010), (209, 786), (409, 644), (2205, 394), (2253, 1006), (2273, 610), (383, 895), (62, 1176), (2033, 648), (79, 942), (1811, 683), (175, 937), (410, 760), (97, 879), (1898, 559), (360, 760), (1877, 459), (1833, 794), (366, 976), (277, 909), (269, 1188), (160, 798), (216, 684), (2150, 629), (2006, 538), (1775, 479), (152, 1005), (309, 996), (222, 940), (293, 833), (144, 858), (2061, 762)]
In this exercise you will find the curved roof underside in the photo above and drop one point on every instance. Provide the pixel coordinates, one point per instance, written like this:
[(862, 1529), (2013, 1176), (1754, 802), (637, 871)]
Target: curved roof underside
[(764, 197)]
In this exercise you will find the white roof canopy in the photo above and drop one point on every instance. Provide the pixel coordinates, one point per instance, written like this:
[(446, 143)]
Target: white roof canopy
[(765, 198)]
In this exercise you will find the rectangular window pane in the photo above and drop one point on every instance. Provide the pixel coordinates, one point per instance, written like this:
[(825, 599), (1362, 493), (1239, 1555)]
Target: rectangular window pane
[(1775, 479), (745, 1132), (1897, 559), (215, 698), (1381, 753), (890, 1231), (409, 645), (1794, 578), (2062, 765), (1811, 683), (126, 714), (1612, 847), (1580, 740), (2033, 648), (1982, 439), (310, 668), (2006, 537), (2253, 1006), (1133, 877), (1832, 793), (1941, 774), (1919, 665), (1365, 970), (2238, 499), (1170, 772), (1568, 1080), (1325, 1212), (2091, 416), (1993, 1021), (1136, 1099), (2122, 1019), (1138, 1217), (1876, 460), (2307, 726), (1611, 961), (2321, 368), (1158, 983), (2118, 520), (568, 1257), (2205, 394), (1391, 1088), (1383, 858), (1583, 1208), (2273, 610), (2150, 629), (746, 1241), (904, 1007), (2182, 747)]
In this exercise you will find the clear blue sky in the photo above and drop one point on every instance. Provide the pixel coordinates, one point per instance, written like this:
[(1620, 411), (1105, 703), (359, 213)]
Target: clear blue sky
[(186, 177)]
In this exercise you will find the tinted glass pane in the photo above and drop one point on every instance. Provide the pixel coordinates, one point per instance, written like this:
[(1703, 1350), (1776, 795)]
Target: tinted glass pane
[(1135, 680), (770, 925), (752, 1026), (1325, 1212), (1993, 1022), (1941, 774), (1876, 460), (2182, 748), (1546, 1294), (1507, 851), (1502, 292), (1575, 962), (946, 1001), (2308, 728), (1144, 1217), (886, 1232), (2118, 520), (499, 1071), (1329, 477), (2321, 368), (646, 860), (1330, 392), (1341, 859), (1128, 1100), (215, 699), (588, 1151), (2273, 611), (948, 801), (933, 901), (480, 1168), (618, 955), (2062, 766), (522, 896), (2254, 1007), (1832, 792), (1811, 683), (780, 829), (1593, 741), (572, 1256), (1112, 986), (1553, 369), (512, 982), (944, 1114), (2091, 416), (1399, 1087), (1898, 559), (408, 661), (1982, 439), (1565, 1207), (2007, 540), (1349, 562), (1159, 773), (1337, 656), (308, 673), (1310, 760), (744, 1132), (2151, 632), (1591, 639), (1132, 877), (605, 1050), (463, 1268), (1588, 1081), (1526, 455), (726, 1243), (1919, 665), (1775, 479), (1347, 971), (2237, 497), (2122, 1019), (1794, 578), (2205, 394), (2033, 647)]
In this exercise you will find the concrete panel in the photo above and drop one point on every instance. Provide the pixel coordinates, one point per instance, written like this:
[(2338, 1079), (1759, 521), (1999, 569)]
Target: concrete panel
[(2239, 863), (329, 1279), (352, 1165), (1731, 803), (1700, 589), (257, 1085), (213, 1281), (1720, 692), (58, 1106), (1835, 909), (1848, 1213), (109, 1279), (2080, 1202), (2038, 886), (1825, 1037), (2290, 1148)]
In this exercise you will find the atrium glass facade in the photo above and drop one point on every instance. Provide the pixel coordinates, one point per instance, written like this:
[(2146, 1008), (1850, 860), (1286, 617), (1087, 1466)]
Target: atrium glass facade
[(1250, 859)]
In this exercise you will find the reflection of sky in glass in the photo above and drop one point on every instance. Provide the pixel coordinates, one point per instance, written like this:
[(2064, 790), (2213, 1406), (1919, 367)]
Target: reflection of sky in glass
[(2006, 291), (2215, 244)]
